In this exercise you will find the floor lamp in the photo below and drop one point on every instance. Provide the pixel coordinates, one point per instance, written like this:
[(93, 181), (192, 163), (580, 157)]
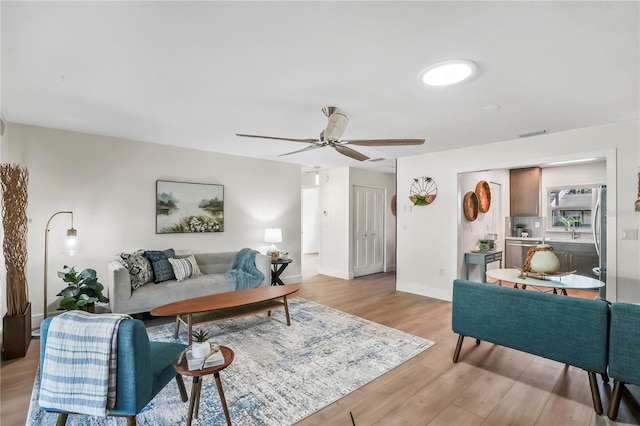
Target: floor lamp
[(70, 248)]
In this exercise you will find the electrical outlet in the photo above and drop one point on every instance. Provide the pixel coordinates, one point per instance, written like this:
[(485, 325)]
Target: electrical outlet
[(629, 234), (537, 225), (442, 272)]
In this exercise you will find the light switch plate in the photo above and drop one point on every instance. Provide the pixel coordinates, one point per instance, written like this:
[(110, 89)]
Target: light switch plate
[(630, 234)]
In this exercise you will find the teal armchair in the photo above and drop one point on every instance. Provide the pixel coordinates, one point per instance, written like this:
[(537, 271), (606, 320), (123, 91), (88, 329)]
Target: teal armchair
[(144, 369), (624, 351)]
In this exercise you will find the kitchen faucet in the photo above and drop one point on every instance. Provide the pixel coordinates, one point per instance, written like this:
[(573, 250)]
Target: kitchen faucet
[(574, 235)]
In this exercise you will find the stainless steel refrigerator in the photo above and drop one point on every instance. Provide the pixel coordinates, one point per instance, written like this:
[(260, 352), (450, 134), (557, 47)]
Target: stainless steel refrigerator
[(599, 228)]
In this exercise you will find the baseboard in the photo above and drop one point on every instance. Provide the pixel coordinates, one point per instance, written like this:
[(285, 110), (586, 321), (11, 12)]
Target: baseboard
[(335, 273), (292, 279), (424, 291)]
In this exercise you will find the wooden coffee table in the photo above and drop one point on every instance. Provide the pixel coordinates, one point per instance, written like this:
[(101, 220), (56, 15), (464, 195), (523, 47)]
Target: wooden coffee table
[(222, 306)]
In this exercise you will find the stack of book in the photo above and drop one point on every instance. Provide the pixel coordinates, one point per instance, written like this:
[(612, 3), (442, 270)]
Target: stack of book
[(213, 359)]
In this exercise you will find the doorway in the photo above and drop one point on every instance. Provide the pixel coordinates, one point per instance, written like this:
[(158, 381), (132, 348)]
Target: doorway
[(311, 231)]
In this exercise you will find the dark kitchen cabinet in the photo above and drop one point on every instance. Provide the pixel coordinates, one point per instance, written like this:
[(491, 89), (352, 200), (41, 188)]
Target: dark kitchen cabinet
[(576, 257), (524, 191)]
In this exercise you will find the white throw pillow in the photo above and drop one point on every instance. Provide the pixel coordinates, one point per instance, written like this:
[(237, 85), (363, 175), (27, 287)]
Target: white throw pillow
[(185, 268)]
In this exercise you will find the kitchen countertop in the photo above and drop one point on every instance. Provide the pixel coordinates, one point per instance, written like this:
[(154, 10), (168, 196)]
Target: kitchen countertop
[(586, 240)]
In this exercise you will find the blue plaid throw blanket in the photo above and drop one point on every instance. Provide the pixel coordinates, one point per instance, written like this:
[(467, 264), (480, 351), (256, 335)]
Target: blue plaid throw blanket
[(80, 360)]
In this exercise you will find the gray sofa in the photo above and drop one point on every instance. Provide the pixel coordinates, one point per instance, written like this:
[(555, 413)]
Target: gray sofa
[(566, 329), (123, 299)]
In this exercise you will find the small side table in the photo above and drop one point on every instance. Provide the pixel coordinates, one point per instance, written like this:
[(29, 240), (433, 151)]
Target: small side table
[(481, 259), (277, 267), (196, 387)]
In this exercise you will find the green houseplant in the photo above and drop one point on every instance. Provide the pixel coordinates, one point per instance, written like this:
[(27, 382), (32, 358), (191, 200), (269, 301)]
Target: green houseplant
[(83, 289), (200, 348)]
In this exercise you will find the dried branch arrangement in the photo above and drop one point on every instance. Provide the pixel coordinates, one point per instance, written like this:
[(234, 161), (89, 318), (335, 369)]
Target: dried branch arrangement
[(14, 179)]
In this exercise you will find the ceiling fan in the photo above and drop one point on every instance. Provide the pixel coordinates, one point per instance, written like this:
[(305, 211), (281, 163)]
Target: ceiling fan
[(330, 136)]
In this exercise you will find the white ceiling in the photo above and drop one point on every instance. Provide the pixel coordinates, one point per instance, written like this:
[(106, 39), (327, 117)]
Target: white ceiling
[(195, 73)]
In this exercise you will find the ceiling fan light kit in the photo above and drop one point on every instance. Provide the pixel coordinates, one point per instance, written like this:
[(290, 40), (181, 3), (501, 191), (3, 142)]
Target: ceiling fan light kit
[(330, 136)]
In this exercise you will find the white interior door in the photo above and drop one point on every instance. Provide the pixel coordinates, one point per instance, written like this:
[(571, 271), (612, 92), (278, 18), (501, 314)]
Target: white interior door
[(368, 231)]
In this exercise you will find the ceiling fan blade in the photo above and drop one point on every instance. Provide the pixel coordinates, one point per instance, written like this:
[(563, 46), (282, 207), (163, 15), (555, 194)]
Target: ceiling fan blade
[(276, 138), (350, 153), (335, 127), (309, 148), (385, 142)]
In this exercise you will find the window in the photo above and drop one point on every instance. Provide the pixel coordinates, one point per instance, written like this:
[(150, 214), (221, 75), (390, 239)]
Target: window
[(570, 207)]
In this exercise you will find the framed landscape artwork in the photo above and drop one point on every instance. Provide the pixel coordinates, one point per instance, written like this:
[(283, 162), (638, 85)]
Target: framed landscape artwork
[(183, 207)]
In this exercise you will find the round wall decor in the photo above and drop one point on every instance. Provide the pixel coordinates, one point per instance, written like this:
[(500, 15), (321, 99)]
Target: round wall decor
[(393, 205), (483, 191), (423, 191), (470, 206)]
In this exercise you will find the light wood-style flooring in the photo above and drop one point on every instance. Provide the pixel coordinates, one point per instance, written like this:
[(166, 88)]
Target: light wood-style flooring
[(490, 385)]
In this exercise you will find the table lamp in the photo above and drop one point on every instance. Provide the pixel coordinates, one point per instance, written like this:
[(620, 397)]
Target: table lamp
[(272, 235)]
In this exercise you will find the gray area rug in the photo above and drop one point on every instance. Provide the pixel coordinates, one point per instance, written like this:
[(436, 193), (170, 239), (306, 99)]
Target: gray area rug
[(280, 374)]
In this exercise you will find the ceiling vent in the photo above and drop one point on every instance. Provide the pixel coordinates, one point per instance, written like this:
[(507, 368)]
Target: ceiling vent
[(532, 133)]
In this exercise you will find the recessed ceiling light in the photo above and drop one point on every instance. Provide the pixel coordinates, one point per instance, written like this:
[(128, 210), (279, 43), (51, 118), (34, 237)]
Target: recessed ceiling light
[(448, 72)]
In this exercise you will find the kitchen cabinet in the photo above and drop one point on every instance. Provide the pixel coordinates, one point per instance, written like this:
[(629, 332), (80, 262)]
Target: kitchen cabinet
[(524, 191), (576, 256), (516, 251)]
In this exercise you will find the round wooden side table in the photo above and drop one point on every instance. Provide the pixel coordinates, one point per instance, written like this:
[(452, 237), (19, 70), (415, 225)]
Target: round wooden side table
[(196, 387)]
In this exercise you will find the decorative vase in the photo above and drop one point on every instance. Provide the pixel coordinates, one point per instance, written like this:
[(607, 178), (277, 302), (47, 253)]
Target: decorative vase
[(200, 350), (544, 260), (483, 247), (16, 334)]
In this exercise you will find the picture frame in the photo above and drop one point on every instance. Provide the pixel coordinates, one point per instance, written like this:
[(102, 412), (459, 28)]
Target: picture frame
[(184, 207)]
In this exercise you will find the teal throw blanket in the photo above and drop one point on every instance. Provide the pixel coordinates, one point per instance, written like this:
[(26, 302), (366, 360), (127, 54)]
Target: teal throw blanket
[(243, 273)]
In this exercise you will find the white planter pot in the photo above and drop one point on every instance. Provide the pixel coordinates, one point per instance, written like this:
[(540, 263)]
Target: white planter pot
[(200, 350)]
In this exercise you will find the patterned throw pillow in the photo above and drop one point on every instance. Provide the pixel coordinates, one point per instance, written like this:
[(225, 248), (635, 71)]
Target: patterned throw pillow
[(139, 268), (159, 260), (185, 268)]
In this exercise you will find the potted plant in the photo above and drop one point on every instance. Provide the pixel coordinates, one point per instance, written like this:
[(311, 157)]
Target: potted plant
[(200, 347), (83, 290), (520, 228), (484, 245), (16, 324)]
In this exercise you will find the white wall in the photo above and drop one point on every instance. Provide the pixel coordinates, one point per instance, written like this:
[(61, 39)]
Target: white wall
[(428, 246), (109, 184), (334, 210)]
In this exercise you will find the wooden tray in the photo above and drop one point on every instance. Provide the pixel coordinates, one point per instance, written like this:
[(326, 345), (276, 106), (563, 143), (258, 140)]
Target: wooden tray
[(483, 191), (542, 276), (470, 206)]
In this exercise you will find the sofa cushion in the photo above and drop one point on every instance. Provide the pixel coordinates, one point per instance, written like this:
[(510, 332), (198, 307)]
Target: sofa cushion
[(159, 260), (184, 268), (139, 268)]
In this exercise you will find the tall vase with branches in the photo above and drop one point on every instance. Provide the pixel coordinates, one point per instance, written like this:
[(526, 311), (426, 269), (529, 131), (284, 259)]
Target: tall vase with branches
[(14, 179)]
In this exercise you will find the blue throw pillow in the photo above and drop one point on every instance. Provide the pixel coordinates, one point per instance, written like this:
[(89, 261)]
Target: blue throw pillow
[(159, 260)]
